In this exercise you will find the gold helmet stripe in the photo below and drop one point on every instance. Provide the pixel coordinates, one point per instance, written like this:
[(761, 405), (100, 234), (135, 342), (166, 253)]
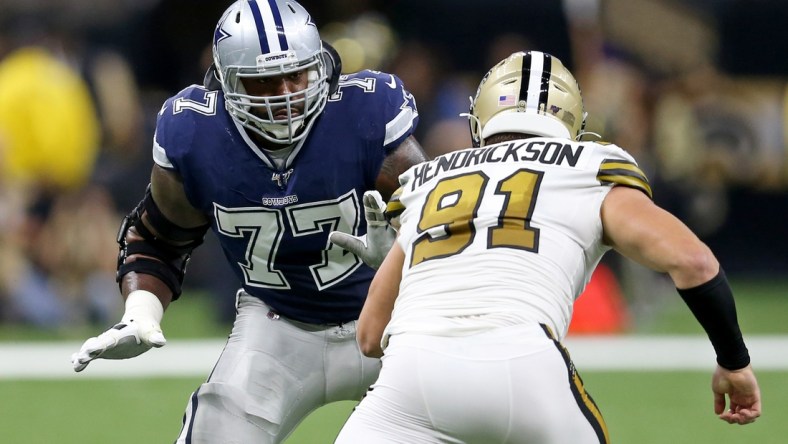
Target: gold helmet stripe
[(622, 172)]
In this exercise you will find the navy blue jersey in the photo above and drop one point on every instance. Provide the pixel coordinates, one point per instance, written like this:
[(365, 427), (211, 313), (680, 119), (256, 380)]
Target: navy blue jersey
[(273, 223)]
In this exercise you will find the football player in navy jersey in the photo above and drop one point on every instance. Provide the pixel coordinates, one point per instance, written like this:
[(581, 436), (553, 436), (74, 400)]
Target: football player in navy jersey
[(275, 151)]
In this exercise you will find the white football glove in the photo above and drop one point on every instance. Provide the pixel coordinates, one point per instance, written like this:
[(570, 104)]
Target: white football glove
[(136, 333), (373, 246)]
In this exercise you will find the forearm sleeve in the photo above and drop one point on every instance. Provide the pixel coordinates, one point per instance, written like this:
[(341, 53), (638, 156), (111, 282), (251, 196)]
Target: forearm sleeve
[(713, 306)]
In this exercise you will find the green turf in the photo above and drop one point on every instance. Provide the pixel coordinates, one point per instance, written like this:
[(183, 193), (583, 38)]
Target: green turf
[(93, 411), (113, 411), (641, 408), (677, 407)]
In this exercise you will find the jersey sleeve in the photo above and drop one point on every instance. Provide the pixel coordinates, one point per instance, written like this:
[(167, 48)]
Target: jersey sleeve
[(162, 136), (175, 129), (398, 108), (619, 168), (394, 208)]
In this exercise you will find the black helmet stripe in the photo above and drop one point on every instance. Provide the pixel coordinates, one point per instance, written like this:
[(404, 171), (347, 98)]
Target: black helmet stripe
[(524, 78), (274, 19), (545, 83), (535, 82)]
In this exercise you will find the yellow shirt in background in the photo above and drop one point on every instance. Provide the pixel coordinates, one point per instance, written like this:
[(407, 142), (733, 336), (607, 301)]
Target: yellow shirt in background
[(49, 130)]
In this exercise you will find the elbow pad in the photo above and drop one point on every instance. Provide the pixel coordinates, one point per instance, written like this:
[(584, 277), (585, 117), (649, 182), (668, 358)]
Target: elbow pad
[(164, 250)]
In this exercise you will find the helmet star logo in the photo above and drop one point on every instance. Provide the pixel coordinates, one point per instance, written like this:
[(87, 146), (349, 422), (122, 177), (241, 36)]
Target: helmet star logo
[(220, 34)]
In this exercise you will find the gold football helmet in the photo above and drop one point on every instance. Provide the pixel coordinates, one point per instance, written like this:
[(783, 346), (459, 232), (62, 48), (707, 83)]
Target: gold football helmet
[(528, 92)]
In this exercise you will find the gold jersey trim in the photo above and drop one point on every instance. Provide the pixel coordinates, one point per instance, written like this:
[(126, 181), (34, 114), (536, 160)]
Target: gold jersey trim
[(394, 207), (625, 173)]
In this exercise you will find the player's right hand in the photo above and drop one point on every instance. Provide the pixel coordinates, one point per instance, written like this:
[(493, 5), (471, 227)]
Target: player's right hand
[(137, 332)]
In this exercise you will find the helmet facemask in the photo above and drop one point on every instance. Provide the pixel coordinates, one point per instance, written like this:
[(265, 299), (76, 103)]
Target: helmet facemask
[(264, 116), (257, 39)]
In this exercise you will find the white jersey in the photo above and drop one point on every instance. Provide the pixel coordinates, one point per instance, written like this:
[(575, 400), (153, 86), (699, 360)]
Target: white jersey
[(504, 234)]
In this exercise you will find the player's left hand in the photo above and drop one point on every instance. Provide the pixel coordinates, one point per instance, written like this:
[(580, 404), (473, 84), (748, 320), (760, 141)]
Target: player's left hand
[(372, 247), (742, 390)]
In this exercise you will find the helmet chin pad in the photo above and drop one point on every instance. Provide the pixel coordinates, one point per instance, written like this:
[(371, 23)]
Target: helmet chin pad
[(281, 131), (526, 123)]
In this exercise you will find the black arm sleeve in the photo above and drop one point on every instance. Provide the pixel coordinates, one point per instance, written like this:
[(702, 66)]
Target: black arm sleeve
[(165, 255), (713, 306)]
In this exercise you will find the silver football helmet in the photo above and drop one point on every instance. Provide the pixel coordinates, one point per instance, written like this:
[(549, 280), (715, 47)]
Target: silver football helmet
[(528, 92), (260, 38)]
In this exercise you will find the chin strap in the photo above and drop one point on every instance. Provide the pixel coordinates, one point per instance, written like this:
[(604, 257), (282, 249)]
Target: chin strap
[(584, 133), (211, 80), (477, 142), (333, 66)]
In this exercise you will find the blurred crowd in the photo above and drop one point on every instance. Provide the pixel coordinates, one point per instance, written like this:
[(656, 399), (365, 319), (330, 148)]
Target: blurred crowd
[(695, 90)]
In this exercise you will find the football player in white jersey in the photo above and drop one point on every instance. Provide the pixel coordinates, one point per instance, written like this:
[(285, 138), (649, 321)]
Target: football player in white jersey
[(470, 306)]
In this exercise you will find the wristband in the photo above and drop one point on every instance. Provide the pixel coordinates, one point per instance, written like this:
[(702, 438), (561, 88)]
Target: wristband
[(141, 304), (713, 306)]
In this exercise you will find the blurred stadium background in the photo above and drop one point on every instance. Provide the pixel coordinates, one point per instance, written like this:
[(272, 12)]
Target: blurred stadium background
[(694, 89)]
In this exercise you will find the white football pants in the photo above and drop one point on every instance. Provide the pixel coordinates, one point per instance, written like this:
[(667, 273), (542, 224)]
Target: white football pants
[(509, 385)]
